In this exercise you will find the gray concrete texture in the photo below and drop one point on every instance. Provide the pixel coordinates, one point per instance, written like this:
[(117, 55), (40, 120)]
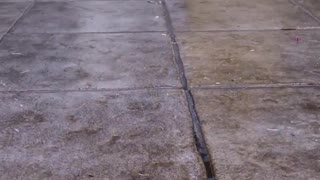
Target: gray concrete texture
[(95, 16), (114, 135), (90, 89), (86, 61), (9, 14), (312, 6), (271, 57), (203, 15), (262, 133)]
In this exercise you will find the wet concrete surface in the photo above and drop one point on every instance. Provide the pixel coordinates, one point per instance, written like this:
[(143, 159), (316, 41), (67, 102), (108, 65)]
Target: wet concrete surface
[(86, 61), (107, 135), (239, 58), (262, 133), (92, 16), (204, 15), (90, 89)]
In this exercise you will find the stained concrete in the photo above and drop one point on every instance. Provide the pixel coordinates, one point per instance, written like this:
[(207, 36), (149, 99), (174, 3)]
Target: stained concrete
[(237, 14), (92, 16), (86, 61), (9, 13), (262, 133), (247, 58), (108, 135)]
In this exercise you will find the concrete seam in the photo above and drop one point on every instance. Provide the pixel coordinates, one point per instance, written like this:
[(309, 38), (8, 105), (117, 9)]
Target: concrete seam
[(306, 10), (111, 32), (25, 11), (164, 31), (261, 86), (199, 138), (91, 90), (21, 16), (250, 30)]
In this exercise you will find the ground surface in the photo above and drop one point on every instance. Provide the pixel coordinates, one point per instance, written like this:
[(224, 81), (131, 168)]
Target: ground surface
[(103, 89)]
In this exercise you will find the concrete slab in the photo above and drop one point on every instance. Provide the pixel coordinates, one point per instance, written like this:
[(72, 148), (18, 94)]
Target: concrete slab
[(9, 13), (268, 57), (61, 0), (237, 15), (113, 135), (93, 16), (86, 61), (14, 1), (262, 133), (312, 5), (152, 1)]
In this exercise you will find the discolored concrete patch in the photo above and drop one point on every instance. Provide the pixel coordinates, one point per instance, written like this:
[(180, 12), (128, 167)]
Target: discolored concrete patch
[(9, 13), (111, 135), (86, 61), (237, 15), (92, 16), (262, 134), (312, 5), (271, 57)]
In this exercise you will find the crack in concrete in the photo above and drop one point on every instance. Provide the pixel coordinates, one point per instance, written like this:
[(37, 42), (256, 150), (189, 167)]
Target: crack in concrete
[(257, 86), (91, 90), (306, 10), (199, 138), (25, 11)]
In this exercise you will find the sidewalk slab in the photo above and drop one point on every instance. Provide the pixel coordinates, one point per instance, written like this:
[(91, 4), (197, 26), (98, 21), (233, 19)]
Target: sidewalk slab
[(204, 15), (86, 61), (109, 135), (312, 5), (14, 1), (268, 57), (151, 1), (9, 13), (262, 133), (92, 16)]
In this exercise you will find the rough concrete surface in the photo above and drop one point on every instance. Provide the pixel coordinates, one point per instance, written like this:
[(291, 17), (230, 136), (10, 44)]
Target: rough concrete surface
[(92, 16), (262, 133), (235, 58), (107, 135), (86, 61), (237, 14)]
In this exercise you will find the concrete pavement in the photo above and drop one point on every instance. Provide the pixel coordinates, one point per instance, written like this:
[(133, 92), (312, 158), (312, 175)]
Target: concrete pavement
[(179, 89)]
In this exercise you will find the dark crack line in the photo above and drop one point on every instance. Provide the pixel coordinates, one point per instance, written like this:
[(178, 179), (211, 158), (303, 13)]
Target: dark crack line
[(164, 31), (257, 86), (91, 90), (249, 30), (93, 32), (199, 138), (26, 10), (304, 9)]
